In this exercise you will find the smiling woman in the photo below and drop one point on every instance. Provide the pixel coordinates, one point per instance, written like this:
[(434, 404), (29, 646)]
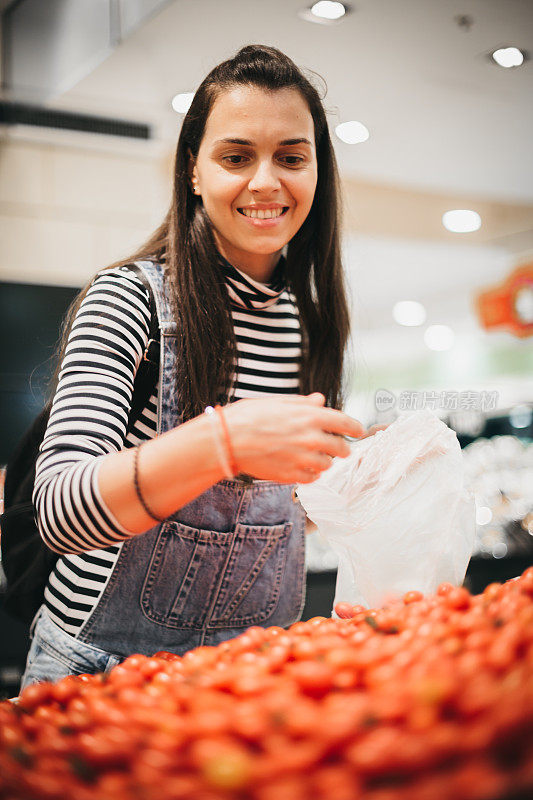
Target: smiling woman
[(204, 535), (257, 157)]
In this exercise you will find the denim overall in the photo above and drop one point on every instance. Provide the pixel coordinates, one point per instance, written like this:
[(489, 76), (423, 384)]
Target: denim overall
[(231, 558)]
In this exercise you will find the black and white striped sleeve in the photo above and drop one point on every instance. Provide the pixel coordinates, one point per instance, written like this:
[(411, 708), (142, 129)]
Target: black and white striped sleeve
[(89, 414)]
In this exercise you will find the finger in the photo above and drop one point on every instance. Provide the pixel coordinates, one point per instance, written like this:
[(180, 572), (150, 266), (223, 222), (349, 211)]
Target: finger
[(330, 444), (374, 429), (334, 421), (317, 462), (316, 397), (313, 475), (336, 446), (304, 476)]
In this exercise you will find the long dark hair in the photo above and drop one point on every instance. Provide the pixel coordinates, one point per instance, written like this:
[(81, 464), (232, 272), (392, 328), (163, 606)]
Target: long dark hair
[(185, 242)]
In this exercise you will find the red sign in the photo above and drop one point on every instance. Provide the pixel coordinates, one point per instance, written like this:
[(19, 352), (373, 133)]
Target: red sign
[(509, 305)]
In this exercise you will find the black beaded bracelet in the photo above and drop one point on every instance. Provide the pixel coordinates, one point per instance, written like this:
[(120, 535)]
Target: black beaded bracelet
[(136, 482)]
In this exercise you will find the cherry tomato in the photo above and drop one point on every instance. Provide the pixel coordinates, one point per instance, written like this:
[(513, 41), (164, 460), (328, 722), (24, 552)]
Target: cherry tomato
[(344, 610), (412, 597)]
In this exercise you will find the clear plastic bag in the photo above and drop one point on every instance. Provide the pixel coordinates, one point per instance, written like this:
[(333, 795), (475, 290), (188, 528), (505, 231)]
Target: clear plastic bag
[(396, 511)]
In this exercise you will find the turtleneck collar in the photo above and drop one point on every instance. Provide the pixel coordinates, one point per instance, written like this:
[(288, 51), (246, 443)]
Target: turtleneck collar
[(246, 292)]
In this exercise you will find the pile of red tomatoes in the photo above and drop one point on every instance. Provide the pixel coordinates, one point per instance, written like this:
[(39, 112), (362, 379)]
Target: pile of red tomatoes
[(428, 698)]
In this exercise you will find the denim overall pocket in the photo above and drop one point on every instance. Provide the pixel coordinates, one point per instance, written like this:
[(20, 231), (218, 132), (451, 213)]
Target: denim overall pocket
[(53, 654), (199, 578)]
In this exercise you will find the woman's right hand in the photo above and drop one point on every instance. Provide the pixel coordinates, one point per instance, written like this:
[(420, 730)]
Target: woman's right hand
[(288, 439)]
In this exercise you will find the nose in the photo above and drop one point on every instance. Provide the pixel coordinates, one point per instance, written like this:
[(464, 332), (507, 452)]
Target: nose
[(264, 178)]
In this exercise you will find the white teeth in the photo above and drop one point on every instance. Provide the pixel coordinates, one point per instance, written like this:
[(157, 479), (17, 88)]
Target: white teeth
[(258, 214)]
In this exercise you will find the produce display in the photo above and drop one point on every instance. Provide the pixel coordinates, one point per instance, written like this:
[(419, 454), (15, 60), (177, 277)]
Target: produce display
[(500, 473), (426, 698)]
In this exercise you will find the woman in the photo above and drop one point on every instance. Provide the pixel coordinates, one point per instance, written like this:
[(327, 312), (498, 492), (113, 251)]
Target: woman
[(201, 534)]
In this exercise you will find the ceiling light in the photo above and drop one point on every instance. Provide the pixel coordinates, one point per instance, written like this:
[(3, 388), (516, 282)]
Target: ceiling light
[(508, 57), (409, 312), (325, 12), (352, 132), (328, 10), (439, 337), (461, 220), (181, 102)]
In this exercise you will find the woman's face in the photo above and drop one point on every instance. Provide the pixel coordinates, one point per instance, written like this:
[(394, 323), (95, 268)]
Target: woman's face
[(258, 152)]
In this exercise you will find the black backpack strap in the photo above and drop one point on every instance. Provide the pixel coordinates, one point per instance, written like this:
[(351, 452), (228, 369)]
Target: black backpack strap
[(148, 372), (20, 476)]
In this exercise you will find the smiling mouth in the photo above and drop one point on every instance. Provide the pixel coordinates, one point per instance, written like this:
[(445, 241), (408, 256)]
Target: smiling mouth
[(272, 213)]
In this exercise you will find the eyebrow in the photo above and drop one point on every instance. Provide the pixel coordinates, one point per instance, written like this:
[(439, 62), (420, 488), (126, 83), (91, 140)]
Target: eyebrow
[(284, 143)]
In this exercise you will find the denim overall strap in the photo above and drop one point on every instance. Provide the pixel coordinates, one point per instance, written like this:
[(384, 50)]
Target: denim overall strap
[(168, 399), (231, 558)]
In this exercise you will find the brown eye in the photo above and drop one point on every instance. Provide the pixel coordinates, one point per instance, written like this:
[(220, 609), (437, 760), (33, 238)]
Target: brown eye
[(297, 160), (229, 159)]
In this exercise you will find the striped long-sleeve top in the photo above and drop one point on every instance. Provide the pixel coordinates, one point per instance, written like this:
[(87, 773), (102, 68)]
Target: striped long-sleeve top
[(90, 410)]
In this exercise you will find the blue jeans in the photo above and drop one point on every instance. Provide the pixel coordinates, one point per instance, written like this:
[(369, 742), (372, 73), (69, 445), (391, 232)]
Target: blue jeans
[(53, 654)]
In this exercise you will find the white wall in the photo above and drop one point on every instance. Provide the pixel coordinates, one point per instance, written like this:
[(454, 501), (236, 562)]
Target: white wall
[(70, 204)]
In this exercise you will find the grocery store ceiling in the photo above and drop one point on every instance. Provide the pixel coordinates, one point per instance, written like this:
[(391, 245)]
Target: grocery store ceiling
[(441, 116)]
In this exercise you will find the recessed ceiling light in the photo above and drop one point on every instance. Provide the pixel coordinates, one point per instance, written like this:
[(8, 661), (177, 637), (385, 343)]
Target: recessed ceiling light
[(409, 312), (352, 132), (328, 10), (325, 12), (181, 102), (508, 57), (439, 337), (461, 220)]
